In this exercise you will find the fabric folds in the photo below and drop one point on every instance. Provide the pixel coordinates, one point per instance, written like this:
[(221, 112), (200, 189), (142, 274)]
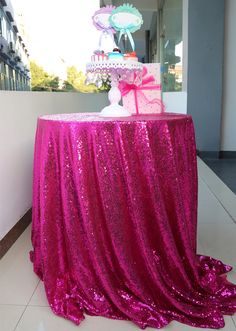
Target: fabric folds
[(115, 222)]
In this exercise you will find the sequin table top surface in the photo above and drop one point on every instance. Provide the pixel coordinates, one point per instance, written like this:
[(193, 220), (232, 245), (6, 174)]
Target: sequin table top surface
[(95, 117), (115, 222)]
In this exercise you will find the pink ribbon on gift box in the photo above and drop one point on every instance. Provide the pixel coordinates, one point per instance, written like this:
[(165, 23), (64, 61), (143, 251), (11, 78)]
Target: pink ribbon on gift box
[(147, 84)]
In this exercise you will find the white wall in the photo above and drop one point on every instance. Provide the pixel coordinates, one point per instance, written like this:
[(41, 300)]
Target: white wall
[(175, 102), (19, 112), (228, 142), (185, 44)]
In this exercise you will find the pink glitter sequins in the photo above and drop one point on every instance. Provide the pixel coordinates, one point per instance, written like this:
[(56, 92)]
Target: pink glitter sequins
[(114, 222)]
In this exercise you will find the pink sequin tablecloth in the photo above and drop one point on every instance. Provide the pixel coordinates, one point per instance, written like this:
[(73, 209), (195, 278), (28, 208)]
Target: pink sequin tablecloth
[(115, 222)]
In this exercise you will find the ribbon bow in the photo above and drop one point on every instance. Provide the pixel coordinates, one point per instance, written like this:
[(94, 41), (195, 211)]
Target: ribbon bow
[(128, 33), (106, 32), (147, 84)]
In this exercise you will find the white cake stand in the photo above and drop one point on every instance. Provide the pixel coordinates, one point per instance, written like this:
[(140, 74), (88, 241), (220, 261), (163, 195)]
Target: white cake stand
[(122, 70)]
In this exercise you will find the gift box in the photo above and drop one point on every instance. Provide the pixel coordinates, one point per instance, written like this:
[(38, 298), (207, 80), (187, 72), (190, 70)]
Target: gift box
[(144, 98)]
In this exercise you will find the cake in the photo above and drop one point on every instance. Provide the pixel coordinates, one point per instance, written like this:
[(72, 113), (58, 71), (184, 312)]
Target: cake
[(109, 20), (99, 56), (116, 55), (132, 56)]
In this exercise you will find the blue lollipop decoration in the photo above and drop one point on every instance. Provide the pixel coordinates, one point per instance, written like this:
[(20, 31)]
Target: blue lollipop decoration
[(126, 19)]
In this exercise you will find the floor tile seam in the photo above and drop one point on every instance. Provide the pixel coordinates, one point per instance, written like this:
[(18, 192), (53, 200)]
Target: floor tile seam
[(234, 322), (12, 254), (33, 292), (12, 304), (20, 318), (214, 191), (226, 176), (42, 306), (218, 199), (26, 307), (213, 174)]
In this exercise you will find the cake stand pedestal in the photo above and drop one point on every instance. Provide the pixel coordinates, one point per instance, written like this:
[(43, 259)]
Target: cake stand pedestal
[(115, 71)]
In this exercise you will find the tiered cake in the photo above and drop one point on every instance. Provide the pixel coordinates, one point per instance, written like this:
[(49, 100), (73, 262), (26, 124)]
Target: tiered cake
[(108, 62)]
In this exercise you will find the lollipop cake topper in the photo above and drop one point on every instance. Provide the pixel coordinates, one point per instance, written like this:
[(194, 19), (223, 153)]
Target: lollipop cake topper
[(126, 19), (101, 19), (102, 23)]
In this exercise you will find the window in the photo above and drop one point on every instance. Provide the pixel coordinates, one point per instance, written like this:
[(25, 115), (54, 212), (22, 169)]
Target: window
[(1, 15), (8, 32), (166, 43), (0, 26), (11, 79), (4, 74), (171, 45), (4, 27), (11, 35)]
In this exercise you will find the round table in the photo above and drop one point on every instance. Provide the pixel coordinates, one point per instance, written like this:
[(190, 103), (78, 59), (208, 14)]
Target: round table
[(115, 218)]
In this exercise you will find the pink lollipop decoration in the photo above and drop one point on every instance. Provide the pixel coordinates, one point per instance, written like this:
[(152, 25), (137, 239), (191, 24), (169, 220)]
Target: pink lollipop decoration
[(102, 23), (101, 18)]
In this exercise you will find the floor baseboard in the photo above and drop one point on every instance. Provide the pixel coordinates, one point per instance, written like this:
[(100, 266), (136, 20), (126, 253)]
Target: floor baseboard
[(217, 154), (208, 154), (227, 155), (14, 233)]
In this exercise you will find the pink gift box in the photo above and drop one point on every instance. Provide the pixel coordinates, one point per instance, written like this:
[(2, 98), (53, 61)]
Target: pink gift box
[(147, 97)]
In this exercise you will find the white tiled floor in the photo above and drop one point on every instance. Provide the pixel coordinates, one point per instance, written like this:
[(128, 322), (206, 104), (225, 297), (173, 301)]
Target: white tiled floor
[(23, 305)]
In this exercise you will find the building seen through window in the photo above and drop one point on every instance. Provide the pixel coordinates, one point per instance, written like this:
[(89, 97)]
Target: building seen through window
[(14, 57)]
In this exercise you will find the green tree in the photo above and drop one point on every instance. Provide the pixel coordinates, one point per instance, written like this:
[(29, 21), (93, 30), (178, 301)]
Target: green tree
[(41, 80), (76, 79), (38, 75), (73, 76), (68, 87), (53, 83), (76, 82)]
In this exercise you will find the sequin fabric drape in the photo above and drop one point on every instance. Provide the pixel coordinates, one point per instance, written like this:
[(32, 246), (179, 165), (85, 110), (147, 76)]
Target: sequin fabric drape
[(115, 222)]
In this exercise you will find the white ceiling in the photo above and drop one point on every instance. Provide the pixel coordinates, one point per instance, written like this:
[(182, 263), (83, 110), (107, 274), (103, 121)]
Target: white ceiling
[(146, 5), (147, 8)]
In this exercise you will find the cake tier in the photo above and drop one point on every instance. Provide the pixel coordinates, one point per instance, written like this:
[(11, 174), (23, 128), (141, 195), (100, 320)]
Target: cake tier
[(111, 65), (114, 56)]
